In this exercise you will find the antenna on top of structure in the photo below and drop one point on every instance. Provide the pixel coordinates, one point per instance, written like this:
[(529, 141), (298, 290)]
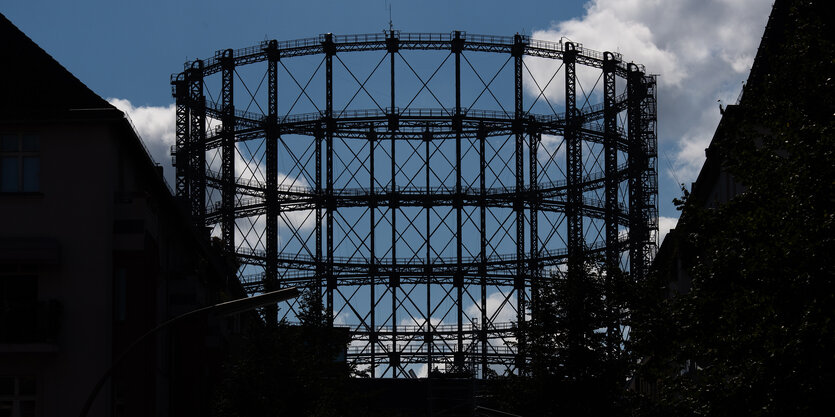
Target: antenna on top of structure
[(391, 25)]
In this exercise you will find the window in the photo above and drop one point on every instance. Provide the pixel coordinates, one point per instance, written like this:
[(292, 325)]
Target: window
[(20, 163), (17, 396)]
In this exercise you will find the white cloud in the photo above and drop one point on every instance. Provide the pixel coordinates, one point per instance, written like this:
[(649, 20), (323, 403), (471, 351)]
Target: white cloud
[(664, 226), (155, 126), (342, 319), (702, 51), (423, 371), (503, 311), (250, 232), (552, 149), (253, 172)]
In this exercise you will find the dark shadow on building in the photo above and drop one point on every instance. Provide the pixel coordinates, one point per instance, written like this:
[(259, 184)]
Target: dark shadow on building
[(94, 251)]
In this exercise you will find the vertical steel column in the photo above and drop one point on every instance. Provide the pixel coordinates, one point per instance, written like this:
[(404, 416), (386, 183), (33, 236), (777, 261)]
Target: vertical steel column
[(482, 267), (372, 259), (227, 162), (517, 51), (330, 51), (637, 163), (320, 267), (197, 141), (394, 279), (457, 46), (181, 149), (574, 197), (574, 162), (271, 193), (610, 152), (649, 174), (610, 156), (427, 316), (535, 138)]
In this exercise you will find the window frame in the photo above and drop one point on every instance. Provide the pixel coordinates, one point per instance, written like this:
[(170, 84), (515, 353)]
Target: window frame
[(17, 398), (22, 153)]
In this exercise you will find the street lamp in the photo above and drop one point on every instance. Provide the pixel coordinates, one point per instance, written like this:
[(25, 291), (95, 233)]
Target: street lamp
[(225, 309)]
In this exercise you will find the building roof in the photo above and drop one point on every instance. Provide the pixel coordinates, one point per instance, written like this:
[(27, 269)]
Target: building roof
[(776, 31), (33, 84), (36, 89)]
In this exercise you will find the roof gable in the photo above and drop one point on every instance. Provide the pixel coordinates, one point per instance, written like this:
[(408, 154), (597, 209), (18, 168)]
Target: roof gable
[(34, 85)]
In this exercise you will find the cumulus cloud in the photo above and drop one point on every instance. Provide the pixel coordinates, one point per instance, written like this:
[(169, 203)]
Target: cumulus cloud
[(664, 226), (552, 149), (155, 126), (702, 51), (343, 319), (501, 310), (250, 232)]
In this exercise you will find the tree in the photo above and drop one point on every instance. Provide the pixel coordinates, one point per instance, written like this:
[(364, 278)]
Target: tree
[(293, 370), (573, 368), (755, 335)]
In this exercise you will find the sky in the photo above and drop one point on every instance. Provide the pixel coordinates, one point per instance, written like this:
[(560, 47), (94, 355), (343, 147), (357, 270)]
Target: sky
[(125, 51), (702, 50)]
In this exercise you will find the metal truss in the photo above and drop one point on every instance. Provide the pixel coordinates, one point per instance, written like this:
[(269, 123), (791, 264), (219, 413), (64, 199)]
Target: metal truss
[(389, 173)]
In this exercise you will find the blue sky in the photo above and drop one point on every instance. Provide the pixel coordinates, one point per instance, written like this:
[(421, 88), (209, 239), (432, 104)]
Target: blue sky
[(126, 51)]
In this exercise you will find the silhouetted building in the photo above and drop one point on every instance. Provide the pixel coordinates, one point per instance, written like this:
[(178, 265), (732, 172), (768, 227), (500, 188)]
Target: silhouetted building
[(712, 187), (715, 185), (94, 251)]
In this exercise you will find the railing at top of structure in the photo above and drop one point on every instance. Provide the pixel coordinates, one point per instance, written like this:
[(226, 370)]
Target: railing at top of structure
[(358, 38), (377, 41)]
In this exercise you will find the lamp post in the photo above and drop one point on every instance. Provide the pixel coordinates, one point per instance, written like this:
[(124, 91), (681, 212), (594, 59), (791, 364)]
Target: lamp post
[(226, 308)]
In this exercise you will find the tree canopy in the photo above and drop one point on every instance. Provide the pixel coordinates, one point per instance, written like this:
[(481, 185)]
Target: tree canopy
[(755, 335)]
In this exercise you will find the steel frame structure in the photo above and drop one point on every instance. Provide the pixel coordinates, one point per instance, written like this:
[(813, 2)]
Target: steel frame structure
[(431, 214)]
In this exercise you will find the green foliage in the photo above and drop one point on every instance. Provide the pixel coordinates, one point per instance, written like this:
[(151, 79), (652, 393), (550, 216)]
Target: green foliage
[(756, 336)]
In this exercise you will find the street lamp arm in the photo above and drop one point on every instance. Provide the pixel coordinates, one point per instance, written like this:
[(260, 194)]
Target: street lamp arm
[(226, 308), (495, 412)]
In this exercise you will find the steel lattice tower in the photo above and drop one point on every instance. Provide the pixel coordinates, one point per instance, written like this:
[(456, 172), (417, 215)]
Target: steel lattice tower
[(420, 204)]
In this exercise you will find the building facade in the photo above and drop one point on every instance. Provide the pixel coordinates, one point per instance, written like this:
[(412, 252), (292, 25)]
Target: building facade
[(94, 251)]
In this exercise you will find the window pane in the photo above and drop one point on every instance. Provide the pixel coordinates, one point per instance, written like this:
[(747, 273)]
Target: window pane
[(8, 174), (8, 143), (31, 173), (30, 143)]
